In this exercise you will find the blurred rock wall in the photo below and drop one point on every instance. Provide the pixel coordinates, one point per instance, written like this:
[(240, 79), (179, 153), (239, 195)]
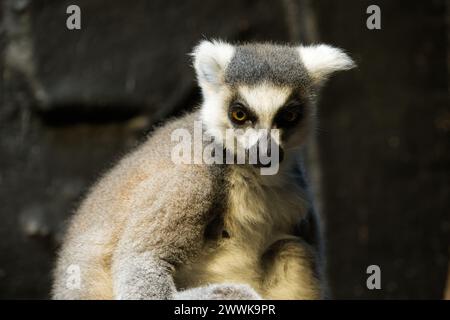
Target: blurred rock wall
[(73, 102), (384, 143)]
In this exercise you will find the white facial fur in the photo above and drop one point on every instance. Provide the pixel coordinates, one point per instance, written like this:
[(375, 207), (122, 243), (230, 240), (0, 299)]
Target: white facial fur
[(265, 100)]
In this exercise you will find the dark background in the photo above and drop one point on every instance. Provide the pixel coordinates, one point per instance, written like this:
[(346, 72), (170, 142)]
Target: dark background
[(73, 102)]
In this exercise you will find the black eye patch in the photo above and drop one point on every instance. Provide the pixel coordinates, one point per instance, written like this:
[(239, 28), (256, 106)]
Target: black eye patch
[(289, 115)]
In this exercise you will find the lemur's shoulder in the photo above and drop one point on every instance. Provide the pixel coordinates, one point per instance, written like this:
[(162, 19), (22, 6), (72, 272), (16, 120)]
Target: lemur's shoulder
[(156, 155), (150, 170)]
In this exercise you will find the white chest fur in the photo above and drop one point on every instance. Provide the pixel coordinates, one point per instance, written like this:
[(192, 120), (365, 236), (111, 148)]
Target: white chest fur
[(260, 210), (262, 207)]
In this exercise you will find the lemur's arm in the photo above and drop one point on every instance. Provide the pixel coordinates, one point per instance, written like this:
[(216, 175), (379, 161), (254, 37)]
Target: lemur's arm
[(143, 276), (162, 235), (163, 230)]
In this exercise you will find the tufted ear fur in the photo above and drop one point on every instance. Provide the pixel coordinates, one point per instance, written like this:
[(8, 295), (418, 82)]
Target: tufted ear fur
[(210, 61), (323, 60)]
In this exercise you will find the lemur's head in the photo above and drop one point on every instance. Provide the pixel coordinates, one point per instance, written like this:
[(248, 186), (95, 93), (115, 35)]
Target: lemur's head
[(262, 86)]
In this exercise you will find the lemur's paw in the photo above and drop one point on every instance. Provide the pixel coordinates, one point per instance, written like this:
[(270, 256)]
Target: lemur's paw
[(219, 292)]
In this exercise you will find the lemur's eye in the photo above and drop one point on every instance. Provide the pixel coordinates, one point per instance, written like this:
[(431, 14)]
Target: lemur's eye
[(238, 114), (290, 116)]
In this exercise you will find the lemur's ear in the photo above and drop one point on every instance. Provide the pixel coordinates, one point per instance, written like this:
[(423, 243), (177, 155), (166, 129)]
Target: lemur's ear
[(323, 60), (210, 61)]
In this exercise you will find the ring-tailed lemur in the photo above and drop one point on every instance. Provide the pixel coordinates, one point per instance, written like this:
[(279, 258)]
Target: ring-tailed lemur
[(155, 229)]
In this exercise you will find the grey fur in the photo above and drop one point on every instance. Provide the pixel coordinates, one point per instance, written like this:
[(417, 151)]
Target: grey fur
[(148, 218), (254, 63), (219, 292), (154, 229), (141, 220)]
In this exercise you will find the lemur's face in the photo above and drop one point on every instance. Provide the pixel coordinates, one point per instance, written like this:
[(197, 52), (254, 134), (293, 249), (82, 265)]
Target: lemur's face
[(262, 92)]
